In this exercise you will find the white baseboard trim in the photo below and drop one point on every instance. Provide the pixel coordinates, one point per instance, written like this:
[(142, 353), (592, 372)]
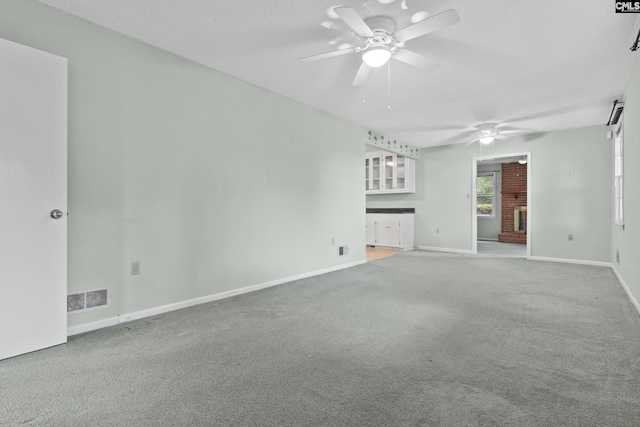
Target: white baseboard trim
[(391, 248), (448, 250), (92, 326), (571, 261), (632, 298), (487, 239)]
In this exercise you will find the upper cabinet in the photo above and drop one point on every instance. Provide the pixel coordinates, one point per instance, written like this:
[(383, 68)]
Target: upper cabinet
[(389, 173)]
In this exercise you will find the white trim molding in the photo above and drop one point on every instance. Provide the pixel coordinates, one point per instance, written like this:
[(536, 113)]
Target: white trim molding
[(112, 321), (632, 298), (92, 326), (448, 250), (474, 207), (571, 261)]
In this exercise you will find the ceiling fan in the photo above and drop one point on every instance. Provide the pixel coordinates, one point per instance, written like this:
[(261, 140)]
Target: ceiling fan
[(382, 42), (486, 133)]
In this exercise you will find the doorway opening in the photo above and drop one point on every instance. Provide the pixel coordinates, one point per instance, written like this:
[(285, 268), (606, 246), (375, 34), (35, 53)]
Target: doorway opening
[(501, 208)]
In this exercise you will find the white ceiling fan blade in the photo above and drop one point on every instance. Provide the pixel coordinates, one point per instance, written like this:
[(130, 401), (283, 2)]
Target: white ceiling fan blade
[(327, 55), (416, 60), (352, 19), (472, 141), (361, 76), (460, 138), (429, 25), (513, 131), (502, 126)]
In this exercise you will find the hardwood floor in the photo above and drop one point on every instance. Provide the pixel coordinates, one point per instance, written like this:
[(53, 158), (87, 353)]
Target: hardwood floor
[(377, 253)]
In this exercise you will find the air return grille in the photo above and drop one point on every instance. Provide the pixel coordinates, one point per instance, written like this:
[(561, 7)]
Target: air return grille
[(80, 302), (343, 250)]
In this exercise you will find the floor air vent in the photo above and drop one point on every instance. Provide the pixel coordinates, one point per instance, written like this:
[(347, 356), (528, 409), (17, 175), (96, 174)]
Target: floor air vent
[(80, 302)]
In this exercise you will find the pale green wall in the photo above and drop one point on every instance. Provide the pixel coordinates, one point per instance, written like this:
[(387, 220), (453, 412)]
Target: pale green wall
[(571, 193), (211, 183), (489, 228), (627, 241)]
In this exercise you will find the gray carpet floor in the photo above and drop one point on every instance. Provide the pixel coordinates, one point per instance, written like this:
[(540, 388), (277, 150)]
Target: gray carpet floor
[(416, 339)]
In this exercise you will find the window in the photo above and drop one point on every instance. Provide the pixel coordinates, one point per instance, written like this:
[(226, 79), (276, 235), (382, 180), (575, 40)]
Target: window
[(485, 190), (618, 175)]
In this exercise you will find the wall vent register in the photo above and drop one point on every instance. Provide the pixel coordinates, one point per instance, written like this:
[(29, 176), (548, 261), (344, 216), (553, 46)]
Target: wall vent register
[(81, 302), (343, 250)]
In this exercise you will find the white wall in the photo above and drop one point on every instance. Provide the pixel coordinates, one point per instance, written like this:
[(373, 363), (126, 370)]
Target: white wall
[(211, 183), (627, 241), (571, 193)]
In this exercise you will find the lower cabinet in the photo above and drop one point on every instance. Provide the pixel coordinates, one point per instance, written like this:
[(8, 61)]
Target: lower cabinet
[(390, 230)]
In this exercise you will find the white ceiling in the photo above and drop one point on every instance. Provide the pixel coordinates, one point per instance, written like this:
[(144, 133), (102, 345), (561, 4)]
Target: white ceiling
[(538, 64)]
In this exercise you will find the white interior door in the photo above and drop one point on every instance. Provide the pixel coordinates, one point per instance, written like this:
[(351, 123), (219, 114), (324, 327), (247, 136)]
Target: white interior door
[(33, 183)]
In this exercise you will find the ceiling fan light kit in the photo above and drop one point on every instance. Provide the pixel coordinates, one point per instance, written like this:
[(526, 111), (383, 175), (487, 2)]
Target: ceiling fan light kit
[(381, 41), (486, 133), (376, 56)]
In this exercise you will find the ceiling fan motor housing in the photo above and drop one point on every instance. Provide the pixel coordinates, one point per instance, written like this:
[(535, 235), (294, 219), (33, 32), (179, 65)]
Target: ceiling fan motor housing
[(382, 27), (488, 129)]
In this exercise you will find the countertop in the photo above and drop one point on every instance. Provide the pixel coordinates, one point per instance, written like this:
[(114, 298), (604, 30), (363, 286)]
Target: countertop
[(391, 210)]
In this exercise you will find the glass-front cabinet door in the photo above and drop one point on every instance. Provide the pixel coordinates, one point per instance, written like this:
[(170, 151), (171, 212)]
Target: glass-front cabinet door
[(375, 173), (367, 183), (400, 172), (389, 167)]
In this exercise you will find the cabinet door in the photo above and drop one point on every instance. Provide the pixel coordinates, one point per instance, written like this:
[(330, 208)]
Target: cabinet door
[(401, 172), (371, 230), (367, 174), (389, 169), (376, 172), (388, 232)]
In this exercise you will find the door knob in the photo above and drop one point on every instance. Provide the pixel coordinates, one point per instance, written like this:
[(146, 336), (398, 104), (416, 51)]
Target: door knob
[(56, 214)]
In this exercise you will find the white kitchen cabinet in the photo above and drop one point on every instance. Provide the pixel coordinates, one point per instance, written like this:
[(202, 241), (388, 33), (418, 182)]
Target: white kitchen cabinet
[(371, 230), (390, 230), (389, 173), (373, 173)]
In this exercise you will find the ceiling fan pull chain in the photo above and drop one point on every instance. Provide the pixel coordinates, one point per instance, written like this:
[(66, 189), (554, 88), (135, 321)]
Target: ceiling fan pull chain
[(389, 85), (364, 95)]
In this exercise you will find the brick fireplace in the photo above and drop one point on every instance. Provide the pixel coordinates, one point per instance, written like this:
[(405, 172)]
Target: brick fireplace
[(514, 203)]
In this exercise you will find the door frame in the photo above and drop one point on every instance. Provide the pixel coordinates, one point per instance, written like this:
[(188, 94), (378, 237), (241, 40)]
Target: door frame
[(474, 199)]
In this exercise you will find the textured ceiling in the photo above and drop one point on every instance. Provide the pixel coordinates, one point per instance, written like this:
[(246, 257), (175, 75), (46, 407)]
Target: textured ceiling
[(541, 65)]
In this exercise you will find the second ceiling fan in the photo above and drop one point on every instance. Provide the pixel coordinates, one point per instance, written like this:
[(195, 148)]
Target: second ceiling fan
[(381, 42), (486, 133)]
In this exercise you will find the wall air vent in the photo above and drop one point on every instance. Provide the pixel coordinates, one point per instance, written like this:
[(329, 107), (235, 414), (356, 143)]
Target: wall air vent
[(81, 302), (614, 117), (343, 250)]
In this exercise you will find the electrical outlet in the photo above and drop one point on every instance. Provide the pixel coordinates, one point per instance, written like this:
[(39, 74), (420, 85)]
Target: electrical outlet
[(135, 268), (571, 237), (617, 257), (333, 241), (343, 250)]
